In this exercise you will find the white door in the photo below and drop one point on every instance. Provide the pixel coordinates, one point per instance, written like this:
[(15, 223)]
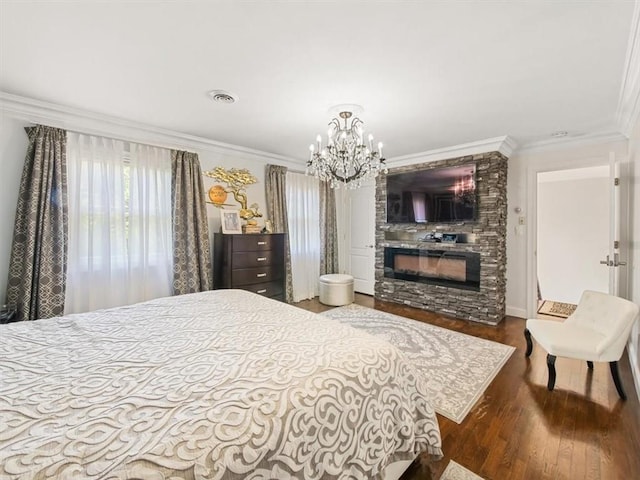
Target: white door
[(362, 218), (579, 241)]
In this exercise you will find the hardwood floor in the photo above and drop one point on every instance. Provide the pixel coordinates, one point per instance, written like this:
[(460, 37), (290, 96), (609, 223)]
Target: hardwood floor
[(518, 429)]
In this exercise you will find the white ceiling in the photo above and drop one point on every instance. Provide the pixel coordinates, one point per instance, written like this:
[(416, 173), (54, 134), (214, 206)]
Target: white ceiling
[(428, 74)]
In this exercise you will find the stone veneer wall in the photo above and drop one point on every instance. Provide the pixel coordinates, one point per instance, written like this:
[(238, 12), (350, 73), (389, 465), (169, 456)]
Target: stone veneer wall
[(486, 305)]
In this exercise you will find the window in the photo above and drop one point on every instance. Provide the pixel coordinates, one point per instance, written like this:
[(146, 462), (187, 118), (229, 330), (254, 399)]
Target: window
[(119, 198)]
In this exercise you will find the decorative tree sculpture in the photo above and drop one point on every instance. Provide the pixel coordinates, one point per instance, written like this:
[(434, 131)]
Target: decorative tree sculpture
[(237, 180)]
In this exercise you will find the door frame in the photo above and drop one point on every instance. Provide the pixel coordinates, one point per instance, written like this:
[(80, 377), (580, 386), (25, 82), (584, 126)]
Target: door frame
[(615, 161)]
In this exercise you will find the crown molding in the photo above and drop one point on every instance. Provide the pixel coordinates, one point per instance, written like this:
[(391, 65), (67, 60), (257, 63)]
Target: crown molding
[(84, 121), (572, 142), (628, 111), (505, 145), (509, 145)]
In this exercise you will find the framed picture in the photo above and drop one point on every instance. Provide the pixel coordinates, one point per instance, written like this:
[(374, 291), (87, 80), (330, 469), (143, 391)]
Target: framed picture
[(230, 221)]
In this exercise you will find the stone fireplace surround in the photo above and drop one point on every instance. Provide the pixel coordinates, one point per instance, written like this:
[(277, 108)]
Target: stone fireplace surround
[(486, 236)]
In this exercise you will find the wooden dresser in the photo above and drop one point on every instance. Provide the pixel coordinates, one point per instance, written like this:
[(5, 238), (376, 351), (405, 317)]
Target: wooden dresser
[(253, 262)]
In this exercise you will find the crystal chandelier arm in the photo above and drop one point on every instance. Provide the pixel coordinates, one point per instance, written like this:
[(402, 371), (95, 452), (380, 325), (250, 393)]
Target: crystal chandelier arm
[(335, 124), (356, 174), (355, 126)]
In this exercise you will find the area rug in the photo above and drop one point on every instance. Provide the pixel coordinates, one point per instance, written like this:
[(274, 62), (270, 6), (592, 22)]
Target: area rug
[(455, 471), (458, 367), (556, 309)]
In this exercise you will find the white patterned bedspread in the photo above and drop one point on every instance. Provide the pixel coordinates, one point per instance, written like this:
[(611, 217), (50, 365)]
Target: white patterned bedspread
[(223, 384)]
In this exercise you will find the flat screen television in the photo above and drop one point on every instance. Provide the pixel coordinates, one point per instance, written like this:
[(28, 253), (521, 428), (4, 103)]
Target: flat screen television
[(438, 195)]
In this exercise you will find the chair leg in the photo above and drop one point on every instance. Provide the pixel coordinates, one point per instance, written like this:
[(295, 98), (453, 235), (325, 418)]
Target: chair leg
[(551, 361), (616, 379), (527, 337), (590, 365)]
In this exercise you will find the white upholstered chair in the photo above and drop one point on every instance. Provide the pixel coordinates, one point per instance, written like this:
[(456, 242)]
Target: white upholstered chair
[(596, 332)]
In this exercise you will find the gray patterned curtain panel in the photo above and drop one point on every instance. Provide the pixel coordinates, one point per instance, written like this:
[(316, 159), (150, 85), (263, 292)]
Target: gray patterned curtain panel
[(277, 212), (191, 250), (328, 230), (37, 268)]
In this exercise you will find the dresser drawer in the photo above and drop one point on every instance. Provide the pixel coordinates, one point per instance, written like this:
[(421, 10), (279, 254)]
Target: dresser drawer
[(270, 289), (248, 276), (251, 243), (254, 262), (255, 259)]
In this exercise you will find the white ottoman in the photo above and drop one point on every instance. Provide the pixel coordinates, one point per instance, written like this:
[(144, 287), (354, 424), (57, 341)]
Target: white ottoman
[(336, 289)]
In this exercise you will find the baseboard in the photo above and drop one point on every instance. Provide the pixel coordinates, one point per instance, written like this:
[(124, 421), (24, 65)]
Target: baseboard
[(516, 312), (635, 368)]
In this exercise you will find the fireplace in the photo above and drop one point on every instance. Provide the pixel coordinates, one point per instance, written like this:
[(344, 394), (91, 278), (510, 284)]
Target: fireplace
[(446, 268), (470, 284)]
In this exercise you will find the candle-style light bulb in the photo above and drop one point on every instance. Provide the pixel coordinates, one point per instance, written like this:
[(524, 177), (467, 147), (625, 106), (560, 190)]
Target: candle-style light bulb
[(380, 149), (370, 142)]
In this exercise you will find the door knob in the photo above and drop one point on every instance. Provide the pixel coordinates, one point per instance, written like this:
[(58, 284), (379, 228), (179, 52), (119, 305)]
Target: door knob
[(617, 262), (607, 262)]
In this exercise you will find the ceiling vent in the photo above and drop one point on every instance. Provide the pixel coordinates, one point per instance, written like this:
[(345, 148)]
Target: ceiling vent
[(221, 96)]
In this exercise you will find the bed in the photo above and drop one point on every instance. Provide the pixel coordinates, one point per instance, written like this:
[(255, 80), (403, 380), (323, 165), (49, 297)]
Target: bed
[(224, 384)]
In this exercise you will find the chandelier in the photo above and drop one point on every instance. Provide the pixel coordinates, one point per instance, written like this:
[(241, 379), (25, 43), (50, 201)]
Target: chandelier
[(346, 159)]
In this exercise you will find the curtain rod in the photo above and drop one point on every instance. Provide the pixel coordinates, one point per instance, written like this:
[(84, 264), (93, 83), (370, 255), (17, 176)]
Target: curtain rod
[(28, 130)]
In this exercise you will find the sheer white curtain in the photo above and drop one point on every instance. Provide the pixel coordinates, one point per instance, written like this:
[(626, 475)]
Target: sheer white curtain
[(303, 211), (419, 207), (119, 223)]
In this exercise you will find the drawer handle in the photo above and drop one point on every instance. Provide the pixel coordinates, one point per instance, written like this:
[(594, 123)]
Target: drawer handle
[(264, 290), (262, 243), (262, 259), (261, 275)]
